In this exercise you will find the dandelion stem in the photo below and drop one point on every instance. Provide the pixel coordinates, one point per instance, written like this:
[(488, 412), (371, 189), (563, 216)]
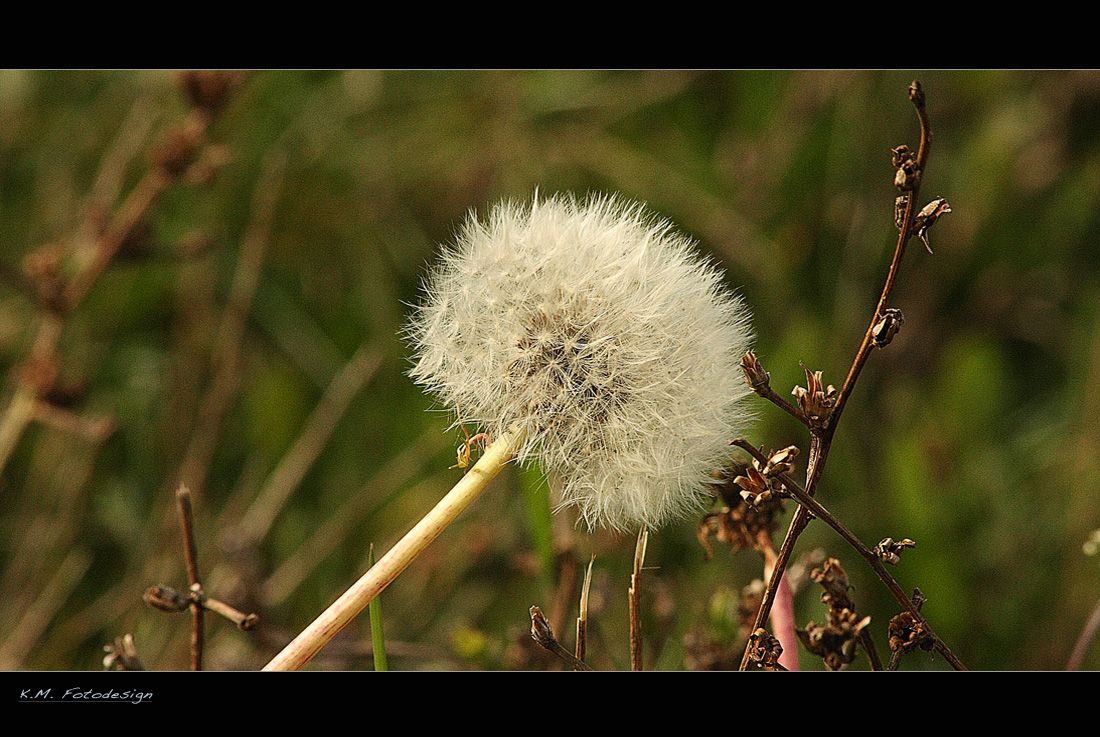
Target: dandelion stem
[(355, 599)]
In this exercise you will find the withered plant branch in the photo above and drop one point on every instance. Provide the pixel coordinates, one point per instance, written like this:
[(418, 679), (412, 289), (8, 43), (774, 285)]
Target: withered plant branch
[(58, 301), (191, 554), (815, 508), (916, 96), (167, 599), (822, 436), (95, 429), (582, 615), (635, 601), (871, 649), (760, 382), (543, 634)]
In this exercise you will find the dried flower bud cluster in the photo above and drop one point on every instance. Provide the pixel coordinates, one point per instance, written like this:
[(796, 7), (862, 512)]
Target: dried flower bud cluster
[(907, 633), (889, 551), (815, 400), (835, 640), (601, 334), (742, 517), (761, 484), (764, 649)]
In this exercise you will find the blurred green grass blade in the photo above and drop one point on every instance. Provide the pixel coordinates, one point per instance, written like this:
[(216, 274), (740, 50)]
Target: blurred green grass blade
[(539, 517)]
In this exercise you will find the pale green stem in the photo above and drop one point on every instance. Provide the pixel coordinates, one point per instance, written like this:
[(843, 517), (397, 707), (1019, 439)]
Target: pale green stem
[(354, 600)]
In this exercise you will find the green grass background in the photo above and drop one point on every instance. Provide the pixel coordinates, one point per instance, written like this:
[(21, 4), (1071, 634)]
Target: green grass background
[(975, 433)]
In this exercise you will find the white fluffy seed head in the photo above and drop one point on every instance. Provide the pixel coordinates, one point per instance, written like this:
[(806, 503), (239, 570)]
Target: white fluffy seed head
[(599, 331)]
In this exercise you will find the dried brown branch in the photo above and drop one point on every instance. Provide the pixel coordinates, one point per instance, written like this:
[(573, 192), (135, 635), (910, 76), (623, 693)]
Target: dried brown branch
[(191, 554), (543, 634), (167, 599), (59, 296), (814, 508), (909, 172), (635, 602), (582, 614)]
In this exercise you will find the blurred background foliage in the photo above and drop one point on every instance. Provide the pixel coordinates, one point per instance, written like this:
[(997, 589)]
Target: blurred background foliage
[(975, 433)]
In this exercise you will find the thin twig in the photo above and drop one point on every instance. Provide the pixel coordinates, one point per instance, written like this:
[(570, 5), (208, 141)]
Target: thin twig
[(582, 615), (543, 634), (191, 554), (782, 614), (635, 601), (815, 508), (822, 436)]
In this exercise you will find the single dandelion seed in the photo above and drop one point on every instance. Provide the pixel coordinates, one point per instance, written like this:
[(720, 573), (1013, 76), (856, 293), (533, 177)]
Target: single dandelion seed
[(601, 333)]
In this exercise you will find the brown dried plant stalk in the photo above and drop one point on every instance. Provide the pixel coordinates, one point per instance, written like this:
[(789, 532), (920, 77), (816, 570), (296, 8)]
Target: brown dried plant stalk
[(820, 409)]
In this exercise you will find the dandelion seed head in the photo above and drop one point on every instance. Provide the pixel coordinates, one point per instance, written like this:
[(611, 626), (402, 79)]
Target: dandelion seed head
[(601, 332)]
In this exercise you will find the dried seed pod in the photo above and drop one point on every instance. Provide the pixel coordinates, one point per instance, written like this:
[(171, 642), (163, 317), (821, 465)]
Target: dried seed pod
[(888, 325)]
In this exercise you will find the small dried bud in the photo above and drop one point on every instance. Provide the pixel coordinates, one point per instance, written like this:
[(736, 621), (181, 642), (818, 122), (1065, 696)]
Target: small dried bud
[(816, 401), (887, 327), (122, 655), (901, 155), (834, 581), (44, 267), (927, 217), (166, 599), (781, 461), (916, 94), (889, 551), (755, 374), (765, 649), (541, 631), (907, 176), (900, 204), (907, 633), (740, 521), (835, 641), (762, 484), (755, 487)]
